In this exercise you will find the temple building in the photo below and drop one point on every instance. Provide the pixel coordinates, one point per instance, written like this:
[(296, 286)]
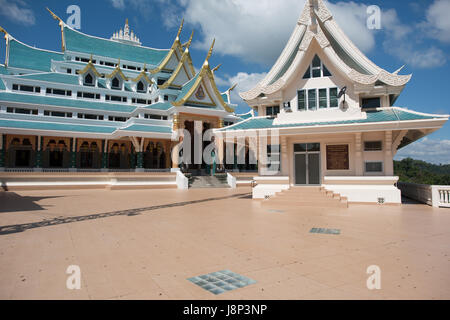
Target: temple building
[(334, 114), (103, 104)]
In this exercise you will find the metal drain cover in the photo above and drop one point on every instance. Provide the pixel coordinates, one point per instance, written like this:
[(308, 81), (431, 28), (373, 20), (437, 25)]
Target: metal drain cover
[(221, 281), (325, 231)]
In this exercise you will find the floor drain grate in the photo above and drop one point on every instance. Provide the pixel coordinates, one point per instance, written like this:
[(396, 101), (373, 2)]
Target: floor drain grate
[(325, 231), (221, 281)]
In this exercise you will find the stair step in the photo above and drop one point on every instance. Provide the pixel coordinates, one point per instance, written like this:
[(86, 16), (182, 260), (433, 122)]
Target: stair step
[(273, 202), (307, 197)]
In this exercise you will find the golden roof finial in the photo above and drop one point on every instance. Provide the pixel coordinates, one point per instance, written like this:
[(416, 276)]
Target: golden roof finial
[(54, 15), (188, 44), (180, 29), (210, 50), (126, 21), (90, 59), (216, 68), (4, 31), (232, 87)]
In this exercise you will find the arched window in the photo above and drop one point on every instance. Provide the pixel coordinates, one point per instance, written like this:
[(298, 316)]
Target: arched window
[(89, 80), (140, 86), (115, 83), (316, 69)]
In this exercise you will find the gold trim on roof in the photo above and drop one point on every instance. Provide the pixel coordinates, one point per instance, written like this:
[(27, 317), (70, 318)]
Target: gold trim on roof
[(61, 24), (216, 68), (117, 70), (204, 72), (143, 74), (90, 66), (210, 51), (54, 15), (175, 46), (184, 57), (4, 31)]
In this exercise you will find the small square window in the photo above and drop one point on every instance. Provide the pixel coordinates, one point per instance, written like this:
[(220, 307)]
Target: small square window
[(373, 167), (373, 146)]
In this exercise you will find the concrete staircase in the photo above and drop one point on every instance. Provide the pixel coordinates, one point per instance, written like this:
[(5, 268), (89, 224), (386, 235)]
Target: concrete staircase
[(217, 181), (308, 197)]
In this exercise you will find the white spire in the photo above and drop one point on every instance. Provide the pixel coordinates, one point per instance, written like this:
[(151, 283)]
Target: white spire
[(126, 36)]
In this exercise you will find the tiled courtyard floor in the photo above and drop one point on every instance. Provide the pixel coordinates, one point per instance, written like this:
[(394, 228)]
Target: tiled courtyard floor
[(149, 253)]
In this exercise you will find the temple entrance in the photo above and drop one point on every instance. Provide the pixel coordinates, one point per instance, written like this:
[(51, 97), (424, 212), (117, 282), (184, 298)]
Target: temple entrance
[(307, 163), (89, 155), (56, 155), (20, 153)]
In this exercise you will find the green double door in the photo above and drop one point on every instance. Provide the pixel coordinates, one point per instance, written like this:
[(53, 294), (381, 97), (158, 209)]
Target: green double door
[(307, 163)]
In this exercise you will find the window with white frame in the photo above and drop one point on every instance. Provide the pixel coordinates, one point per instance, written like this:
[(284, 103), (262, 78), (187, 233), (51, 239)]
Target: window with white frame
[(141, 87), (89, 80), (316, 69), (115, 84), (313, 99), (272, 111)]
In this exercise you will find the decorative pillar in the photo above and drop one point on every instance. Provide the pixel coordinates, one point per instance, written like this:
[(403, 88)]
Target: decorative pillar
[(198, 143), (388, 157), (38, 161), (73, 161), (168, 155), (105, 155), (2, 154), (140, 156), (358, 155), (219, 149), (284, 156)]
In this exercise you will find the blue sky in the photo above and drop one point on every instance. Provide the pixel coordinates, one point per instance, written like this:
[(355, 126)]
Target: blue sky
[(250, 34)]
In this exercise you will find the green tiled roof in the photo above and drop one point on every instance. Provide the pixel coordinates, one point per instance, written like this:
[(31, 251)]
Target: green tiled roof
[(245, 116), (160, 106), (146, 128), (225, 97), (60, 102), (186, 87), (53, 77), (79, 42), (372, 116), (3, 70), (23, 56), (36, 125)]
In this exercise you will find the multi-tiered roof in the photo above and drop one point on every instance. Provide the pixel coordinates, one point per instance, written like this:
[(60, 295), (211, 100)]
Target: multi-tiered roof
[(153, 85)]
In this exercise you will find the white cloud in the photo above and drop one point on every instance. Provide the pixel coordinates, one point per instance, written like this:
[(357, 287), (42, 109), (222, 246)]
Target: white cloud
[(430, 150), (17, 11), (438, 23), (403, 42), (142, 6), (118, 4), (257, 30), (245, 81)]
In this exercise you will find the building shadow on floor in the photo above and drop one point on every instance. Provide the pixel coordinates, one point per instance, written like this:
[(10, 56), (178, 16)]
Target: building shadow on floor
[(13, 202), (406, 200), (4, 230)]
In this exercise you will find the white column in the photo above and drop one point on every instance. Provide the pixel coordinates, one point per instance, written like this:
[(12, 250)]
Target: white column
[(198, 142), (284, 156), (388, 158), (358, 155)]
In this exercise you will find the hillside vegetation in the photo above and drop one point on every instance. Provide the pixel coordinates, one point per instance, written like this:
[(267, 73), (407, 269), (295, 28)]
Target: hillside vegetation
[(417, 171)]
